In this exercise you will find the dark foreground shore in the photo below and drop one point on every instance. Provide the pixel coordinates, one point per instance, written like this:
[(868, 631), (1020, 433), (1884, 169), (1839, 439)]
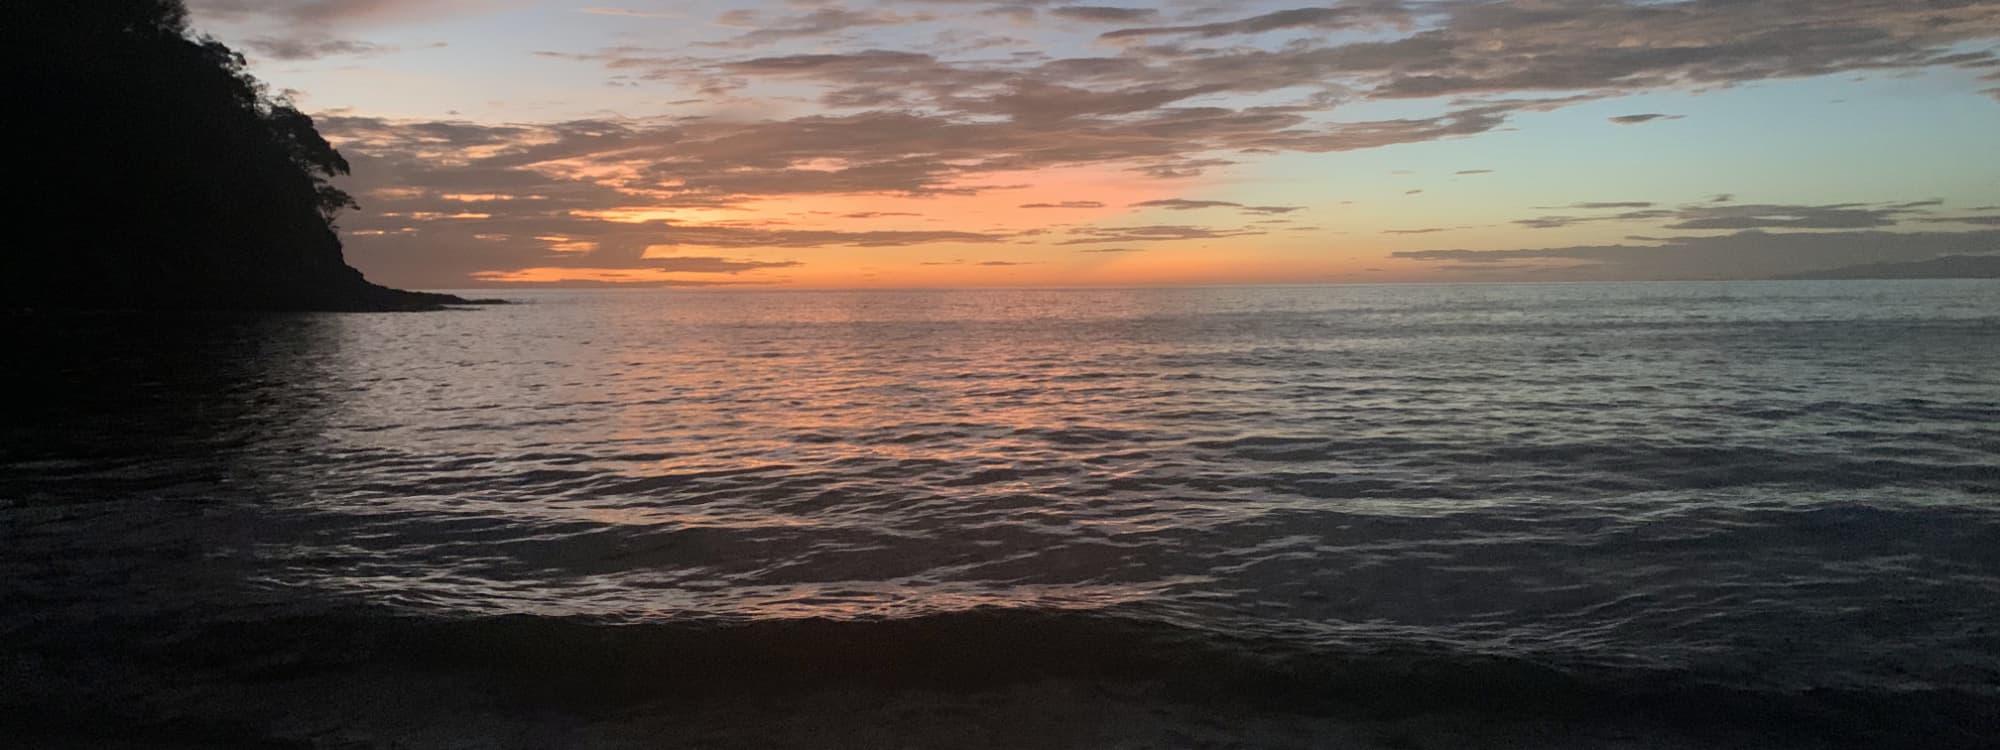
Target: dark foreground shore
[(991, 678)]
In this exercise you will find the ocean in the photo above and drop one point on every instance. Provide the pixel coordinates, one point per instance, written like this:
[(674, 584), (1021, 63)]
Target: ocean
[(1717, 514)]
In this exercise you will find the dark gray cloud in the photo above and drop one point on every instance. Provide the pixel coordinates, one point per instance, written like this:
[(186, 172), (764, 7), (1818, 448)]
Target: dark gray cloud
[(295, 30), (1842, 216), (312, 48), (1991, 221), (1521, 270), (1451, 48), (1640, 119), (1466, 47), (333, 12), (1717, 215), (1182, 204)]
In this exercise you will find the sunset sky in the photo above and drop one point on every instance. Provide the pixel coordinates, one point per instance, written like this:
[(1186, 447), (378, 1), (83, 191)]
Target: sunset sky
[(919, 143)]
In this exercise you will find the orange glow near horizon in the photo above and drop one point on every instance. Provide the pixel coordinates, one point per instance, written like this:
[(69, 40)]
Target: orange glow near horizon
[(995, 206), (1027, 227)]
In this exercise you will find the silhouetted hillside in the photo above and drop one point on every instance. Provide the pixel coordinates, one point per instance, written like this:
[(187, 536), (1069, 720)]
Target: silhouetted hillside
[(1947, 267), (151, 171)]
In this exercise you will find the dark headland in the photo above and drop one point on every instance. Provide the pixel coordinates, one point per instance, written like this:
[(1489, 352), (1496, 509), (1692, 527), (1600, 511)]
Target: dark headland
[(152, 171)]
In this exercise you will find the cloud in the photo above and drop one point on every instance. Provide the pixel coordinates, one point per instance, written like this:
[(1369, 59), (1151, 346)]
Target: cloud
[(295, 30), (1157, 105), (1181, 204), (826, 20), (1102, 13), (1353, 15), (335, 12), (312, 48), (549, 276), (1111, 250), (627, 13), (1714, 215), (1178, 204), (1153, 233), (1065, 204), (1842, 216), (688, 264), (847, 108), (1991, 221), (1611, 204), (1639, 119), (1603, 47), (711, 236), (447, 200)]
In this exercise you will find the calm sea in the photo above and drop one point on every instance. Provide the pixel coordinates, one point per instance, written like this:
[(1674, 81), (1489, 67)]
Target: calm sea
[(1630, 515)]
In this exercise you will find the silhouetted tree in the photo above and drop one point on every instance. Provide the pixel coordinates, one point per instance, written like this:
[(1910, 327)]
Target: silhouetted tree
[(162, 172)]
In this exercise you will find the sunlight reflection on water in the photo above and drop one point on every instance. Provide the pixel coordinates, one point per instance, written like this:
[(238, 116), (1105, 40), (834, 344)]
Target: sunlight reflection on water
[(1664, 469)]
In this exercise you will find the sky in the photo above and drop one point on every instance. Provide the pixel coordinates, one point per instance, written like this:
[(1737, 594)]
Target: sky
[(941, 143)]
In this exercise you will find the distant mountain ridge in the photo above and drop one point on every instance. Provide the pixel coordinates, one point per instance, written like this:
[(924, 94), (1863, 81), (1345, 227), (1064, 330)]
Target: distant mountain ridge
[(154, 172), (1946, 267)]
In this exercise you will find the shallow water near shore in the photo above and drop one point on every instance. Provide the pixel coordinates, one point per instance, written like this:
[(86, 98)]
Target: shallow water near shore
[(1585, 515)]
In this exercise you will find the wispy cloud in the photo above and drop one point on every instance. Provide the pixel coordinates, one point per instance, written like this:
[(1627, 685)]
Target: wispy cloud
[(1641, 119), (1181, 204), (1719, 215), (313, 47), (1103, 13), (1065, 204), (629, 13), (1152, 233)]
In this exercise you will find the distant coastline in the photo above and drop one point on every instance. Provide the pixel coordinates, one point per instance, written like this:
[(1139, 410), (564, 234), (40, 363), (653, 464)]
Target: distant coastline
[(1947, 267)]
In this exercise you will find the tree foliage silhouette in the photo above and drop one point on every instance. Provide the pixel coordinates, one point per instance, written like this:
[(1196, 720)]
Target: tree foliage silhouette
[(163, 172)]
